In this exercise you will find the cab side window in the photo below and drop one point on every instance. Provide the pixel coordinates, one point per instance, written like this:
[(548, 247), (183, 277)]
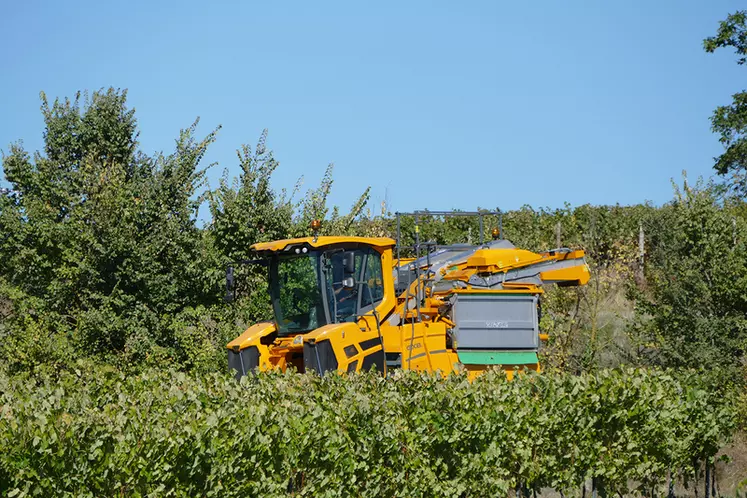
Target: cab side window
[(373, 276)]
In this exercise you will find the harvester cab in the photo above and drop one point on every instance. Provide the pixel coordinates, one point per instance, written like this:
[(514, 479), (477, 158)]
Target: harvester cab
[(348, 304), (328, 295)]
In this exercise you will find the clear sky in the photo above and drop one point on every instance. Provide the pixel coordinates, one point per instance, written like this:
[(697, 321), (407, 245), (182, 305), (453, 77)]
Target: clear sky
[(434, 104)]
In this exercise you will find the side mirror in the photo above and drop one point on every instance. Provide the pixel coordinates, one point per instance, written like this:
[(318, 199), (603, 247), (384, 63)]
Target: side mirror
[(230, 285), (348, 283), (348, 262)]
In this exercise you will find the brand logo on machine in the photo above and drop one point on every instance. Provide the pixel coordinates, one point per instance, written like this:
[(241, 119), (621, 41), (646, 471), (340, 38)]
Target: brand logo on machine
[(495, 324), (414, 346)]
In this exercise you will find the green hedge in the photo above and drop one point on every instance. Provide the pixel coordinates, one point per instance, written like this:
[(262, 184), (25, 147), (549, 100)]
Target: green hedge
[(170, 434)]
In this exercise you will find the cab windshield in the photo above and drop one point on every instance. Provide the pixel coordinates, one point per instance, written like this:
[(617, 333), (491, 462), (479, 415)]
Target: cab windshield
[(296, 299), (307, 291)]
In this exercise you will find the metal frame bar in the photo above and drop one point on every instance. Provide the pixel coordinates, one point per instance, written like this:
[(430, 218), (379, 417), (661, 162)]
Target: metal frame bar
[(416, 214)]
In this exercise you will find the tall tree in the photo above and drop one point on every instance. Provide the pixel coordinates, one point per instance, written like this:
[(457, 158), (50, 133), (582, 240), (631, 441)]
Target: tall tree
[(100, 251), (103, 236), (730, 121)]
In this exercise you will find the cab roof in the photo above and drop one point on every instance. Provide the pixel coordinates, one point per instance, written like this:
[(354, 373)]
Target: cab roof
[(279, 245)]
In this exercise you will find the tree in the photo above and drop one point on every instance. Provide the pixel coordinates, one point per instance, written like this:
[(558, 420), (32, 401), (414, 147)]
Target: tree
[(103, 237), (694, 309), (100, 252), (247, 210), (730, 121)]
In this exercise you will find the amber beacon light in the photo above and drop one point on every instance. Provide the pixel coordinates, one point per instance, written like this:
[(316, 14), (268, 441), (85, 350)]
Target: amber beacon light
[(315, 226)]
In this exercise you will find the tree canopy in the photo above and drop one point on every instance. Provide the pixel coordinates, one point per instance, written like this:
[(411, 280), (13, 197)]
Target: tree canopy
[(101, 253), (730, 121)]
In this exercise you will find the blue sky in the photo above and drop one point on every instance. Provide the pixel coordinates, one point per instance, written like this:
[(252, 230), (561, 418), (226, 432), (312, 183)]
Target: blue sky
[(434, 104)]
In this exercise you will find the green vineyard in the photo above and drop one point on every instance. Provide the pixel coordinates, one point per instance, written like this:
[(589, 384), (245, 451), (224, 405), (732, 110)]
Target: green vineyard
[(172, 434)]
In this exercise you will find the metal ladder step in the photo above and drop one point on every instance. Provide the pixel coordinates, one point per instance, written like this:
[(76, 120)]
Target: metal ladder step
[(394, 360)]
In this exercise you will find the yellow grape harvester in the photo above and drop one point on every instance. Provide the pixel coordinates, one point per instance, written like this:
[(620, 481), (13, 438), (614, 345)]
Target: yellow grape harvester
[(350, 304)]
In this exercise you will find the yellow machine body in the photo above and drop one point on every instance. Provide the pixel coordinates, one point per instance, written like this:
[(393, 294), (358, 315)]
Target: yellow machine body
[(468, 309)]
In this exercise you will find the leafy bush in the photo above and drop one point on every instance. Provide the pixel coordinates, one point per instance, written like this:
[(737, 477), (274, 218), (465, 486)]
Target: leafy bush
[(98, 432), (694, 306)]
